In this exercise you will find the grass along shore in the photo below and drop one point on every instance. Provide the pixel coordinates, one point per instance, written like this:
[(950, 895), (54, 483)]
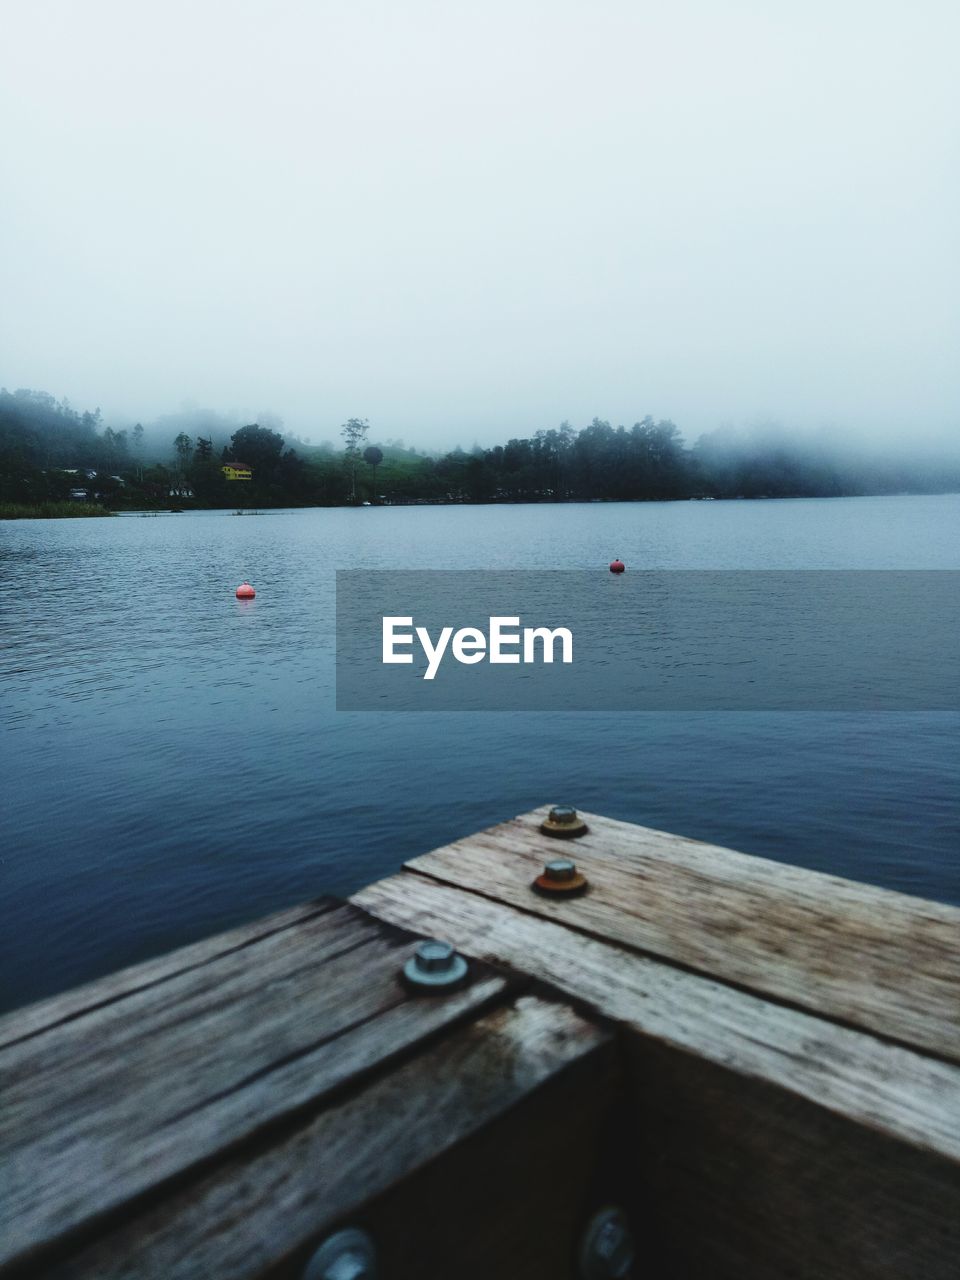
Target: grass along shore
[(50, 510)]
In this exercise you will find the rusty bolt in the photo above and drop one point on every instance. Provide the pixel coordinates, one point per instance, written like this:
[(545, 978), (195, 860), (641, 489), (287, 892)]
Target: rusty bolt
[(607, 1248), (434, 966), (560, 877), (563, 823), (346, 1255)]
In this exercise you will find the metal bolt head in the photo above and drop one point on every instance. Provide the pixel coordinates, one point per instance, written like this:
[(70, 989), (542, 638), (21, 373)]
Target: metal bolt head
[(434, 956), (435, 965), (563, 813), (560, 869), (560, 878), (346, 1255), (607, 1248), (564, 823)]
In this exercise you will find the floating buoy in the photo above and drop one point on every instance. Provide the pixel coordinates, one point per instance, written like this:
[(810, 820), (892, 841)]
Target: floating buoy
[(617, 566), (245, 591)]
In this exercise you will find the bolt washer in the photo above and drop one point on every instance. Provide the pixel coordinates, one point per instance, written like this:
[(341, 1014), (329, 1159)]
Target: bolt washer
[(346, 1255), (434, 966)]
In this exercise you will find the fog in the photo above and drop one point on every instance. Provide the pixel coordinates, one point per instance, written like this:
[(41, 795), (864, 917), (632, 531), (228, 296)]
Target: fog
[(471, 222)]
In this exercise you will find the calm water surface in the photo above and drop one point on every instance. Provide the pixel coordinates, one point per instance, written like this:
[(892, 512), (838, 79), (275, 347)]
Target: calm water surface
[(172, 763)]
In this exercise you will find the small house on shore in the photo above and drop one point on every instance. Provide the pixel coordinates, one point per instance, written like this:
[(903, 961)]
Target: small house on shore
[(237, 471)]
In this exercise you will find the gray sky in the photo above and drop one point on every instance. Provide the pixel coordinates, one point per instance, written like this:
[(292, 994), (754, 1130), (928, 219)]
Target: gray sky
[(468, 221)]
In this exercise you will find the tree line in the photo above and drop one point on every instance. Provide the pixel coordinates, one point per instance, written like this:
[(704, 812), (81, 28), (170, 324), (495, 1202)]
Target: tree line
[(48, 451)]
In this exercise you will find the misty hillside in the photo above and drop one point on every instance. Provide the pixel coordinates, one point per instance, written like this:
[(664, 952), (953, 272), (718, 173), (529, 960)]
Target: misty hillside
[(44, 443)]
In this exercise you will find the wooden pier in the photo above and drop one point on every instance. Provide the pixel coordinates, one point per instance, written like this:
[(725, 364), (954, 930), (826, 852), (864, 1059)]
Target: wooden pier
[(759, 1065)]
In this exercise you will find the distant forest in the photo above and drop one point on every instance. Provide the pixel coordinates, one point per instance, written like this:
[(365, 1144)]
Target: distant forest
[(52, 454)]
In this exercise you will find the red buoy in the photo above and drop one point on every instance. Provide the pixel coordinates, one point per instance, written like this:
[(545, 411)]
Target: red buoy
[(245, 591), (617, 566)]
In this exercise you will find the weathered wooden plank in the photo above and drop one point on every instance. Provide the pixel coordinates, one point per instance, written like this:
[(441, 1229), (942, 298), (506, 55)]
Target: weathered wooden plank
[(109, 1105), (879, 960), (740, 1181), (263, 1211), (904, 1094), (21, 1023), (512, 1200), (792, 1095), (766, 1141)]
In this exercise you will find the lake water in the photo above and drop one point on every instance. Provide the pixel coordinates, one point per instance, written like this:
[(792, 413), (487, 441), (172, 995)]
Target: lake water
[(172, 762)]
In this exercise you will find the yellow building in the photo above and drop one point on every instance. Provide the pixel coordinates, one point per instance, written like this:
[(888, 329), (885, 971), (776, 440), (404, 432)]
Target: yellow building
[(237, 471)]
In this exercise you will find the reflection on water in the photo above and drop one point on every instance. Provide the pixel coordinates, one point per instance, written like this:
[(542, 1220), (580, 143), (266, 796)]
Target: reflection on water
[(172, 762)]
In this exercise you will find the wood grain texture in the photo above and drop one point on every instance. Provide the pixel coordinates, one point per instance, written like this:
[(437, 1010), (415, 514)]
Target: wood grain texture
[(864, 956), (790, 1101), (510, 1201), (21, 1023), (739, 1181), (764, 1141), (262, 1212), (905, 1094), (109, 1105)]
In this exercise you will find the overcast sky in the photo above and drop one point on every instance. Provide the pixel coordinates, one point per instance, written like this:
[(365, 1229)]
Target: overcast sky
[(467, 221)]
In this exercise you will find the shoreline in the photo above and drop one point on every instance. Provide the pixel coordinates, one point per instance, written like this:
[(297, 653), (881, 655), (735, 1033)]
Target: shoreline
[(65, 511)]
